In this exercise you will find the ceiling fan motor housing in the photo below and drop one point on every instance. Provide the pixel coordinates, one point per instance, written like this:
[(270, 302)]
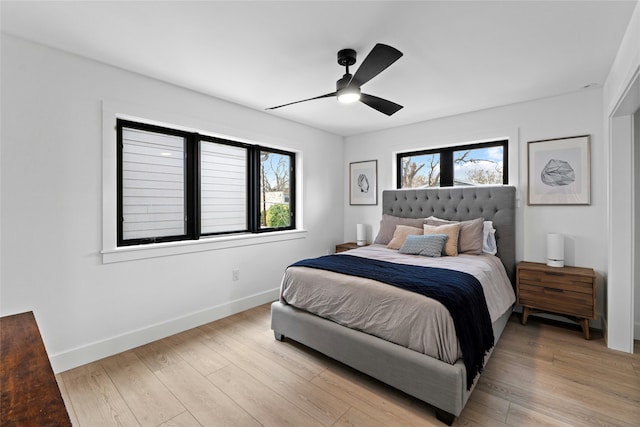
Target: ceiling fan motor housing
[(346, 58), (343, 82)]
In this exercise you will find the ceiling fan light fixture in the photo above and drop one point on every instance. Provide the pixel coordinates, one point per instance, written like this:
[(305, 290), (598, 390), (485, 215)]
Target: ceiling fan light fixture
[(349, 95), (348, 87)]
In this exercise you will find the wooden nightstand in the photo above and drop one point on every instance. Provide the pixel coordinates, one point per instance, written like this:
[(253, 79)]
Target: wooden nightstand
[(347, 246), (568, 291)]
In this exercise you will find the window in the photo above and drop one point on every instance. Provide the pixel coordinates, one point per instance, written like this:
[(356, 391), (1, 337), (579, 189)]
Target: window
[(179, 185), (476, 164), (223, 188), (152, 185), (275, 189)]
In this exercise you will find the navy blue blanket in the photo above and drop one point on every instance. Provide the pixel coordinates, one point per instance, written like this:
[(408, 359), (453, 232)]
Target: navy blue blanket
[(461, 293)]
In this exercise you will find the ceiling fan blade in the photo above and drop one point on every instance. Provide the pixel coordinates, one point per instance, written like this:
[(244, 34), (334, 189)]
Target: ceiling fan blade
[(382, 105), (304, 100), (378, 60)]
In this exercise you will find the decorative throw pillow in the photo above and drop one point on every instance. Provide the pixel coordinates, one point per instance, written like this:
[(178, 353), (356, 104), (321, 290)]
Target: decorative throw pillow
[(451, 230), (489, 245), (425, 245), (401, 233), (471, 237), (388, 225)]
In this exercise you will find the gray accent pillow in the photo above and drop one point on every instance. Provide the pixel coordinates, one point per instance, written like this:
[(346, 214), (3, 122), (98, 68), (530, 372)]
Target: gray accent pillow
[(471, 234), (388, 225), (426, 245)]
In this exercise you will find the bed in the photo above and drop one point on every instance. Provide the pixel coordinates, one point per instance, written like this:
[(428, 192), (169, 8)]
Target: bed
[(439, 379)]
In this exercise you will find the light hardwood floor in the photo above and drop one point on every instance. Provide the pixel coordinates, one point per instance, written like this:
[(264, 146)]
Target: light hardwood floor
[(232, 372)]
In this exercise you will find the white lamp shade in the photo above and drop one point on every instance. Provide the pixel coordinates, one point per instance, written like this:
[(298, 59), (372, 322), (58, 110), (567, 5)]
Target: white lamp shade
[(361, 235), (555, 250)]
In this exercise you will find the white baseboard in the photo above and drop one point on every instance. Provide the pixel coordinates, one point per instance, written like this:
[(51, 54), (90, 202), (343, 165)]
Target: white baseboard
[(73, 358)]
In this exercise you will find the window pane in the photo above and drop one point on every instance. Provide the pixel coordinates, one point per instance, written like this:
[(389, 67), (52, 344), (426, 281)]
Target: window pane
[(478, 166), (153, 190), (275, 174), (420, 171), (223, 188)]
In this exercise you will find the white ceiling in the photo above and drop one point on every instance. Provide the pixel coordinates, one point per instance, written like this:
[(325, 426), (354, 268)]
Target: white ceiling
[(459, 56)]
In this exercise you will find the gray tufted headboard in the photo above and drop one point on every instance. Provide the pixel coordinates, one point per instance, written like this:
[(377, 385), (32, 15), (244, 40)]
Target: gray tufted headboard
[(493, 203)]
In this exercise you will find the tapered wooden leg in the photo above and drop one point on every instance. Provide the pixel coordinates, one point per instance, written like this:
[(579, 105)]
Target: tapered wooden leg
[(525, 315), (585, 328)]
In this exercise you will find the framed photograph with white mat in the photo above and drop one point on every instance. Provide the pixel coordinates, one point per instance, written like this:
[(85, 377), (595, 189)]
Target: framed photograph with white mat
[(559, 171), (363, 183)]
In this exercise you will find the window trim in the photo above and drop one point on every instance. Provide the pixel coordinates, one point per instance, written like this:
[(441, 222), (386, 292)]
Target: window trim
[(180, 247), (446, 158), (109, 252)]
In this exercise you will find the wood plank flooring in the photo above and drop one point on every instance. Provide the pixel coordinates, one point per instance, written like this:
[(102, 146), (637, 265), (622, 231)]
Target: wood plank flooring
[(232, 372)]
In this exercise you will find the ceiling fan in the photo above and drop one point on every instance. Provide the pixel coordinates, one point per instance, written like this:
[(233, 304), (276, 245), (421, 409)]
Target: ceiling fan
[(348, 87)]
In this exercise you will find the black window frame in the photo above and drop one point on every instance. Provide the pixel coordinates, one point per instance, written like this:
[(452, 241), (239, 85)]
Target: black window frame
[(447, 163), (192, 184), (255, 200)]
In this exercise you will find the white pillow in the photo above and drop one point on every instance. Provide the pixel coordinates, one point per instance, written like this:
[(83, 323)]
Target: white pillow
[(489, 245)]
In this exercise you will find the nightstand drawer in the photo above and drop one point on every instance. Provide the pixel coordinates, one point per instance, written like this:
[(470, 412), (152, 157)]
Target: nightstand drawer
[(558, 280), (556, 299)]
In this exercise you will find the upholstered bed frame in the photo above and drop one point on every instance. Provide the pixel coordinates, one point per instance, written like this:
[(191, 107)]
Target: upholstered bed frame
[(438, 383)]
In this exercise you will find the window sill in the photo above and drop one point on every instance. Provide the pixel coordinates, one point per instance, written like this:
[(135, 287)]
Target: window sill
[(131, 253)]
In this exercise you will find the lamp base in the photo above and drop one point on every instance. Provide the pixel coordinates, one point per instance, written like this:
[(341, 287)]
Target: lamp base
[(555, 262)]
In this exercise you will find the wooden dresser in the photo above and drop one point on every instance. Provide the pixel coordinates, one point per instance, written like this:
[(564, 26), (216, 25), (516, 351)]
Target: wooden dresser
[(30, 393), (568, 291)]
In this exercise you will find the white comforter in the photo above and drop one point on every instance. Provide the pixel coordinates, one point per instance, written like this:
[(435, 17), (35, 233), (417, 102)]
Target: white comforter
[(402, 317)]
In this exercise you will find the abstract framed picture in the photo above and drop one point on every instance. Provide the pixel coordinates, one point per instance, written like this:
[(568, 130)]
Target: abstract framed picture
[(559, 171), (363, 183)]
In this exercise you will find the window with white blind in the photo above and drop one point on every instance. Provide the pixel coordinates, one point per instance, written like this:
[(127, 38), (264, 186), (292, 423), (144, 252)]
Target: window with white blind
[(223, 188), (179, 185), (153, 185)]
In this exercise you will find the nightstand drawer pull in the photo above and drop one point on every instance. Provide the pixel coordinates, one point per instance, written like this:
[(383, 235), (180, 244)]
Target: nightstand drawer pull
[(553, 290), (554, 273)]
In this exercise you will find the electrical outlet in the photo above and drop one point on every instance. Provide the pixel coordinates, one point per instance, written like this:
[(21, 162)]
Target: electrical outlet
[(235, 275)]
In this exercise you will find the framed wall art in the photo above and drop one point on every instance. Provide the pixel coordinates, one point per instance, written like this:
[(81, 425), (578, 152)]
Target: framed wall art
[(559, 171), (363, 183)]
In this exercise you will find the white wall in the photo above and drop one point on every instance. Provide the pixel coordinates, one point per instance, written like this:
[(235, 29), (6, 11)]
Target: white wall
[(636, 262), (621, 99), (52, 201), (574, 114)]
